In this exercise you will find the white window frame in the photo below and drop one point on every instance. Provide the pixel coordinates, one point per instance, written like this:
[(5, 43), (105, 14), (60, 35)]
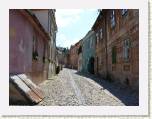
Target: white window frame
[(101, 33), (112, 19), (97, 37), (126, 48)]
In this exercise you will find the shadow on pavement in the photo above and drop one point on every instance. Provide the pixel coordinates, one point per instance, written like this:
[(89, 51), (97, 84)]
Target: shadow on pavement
[(123, 93)]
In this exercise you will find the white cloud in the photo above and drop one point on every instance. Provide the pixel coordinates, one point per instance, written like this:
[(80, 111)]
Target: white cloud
[(64, 41), (65, 17)]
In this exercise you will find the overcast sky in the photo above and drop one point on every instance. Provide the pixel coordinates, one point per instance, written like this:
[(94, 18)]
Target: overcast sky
[(73, 24)]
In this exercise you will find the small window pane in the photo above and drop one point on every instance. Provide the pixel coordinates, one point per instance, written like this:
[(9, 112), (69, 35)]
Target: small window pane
[(112, 19), (126, 49), (124, 11)]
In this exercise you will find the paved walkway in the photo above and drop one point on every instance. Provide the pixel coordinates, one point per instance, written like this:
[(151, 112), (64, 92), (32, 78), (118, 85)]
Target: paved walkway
[(70, 88)]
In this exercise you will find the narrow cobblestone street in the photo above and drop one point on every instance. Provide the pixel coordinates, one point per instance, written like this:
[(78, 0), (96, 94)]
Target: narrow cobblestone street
[(104, 54), (72, 89)]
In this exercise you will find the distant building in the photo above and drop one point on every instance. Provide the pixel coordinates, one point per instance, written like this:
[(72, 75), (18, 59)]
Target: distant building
[(62, 54), (74, 55), (67, 59), (80, 56), (117, 45), (88, 52), (100, 45)]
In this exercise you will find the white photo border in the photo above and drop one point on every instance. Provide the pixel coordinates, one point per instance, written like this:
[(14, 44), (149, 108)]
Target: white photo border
[(141, 110)]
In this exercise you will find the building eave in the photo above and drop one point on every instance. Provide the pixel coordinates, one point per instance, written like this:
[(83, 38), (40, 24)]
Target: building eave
[(36, 21), (97, 20)]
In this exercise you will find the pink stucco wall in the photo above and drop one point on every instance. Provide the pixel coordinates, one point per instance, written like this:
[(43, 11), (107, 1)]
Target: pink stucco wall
[(20, 43), (21, 33)]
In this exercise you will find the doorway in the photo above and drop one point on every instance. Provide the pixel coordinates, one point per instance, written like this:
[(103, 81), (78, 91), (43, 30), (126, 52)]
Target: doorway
[(91, 65)]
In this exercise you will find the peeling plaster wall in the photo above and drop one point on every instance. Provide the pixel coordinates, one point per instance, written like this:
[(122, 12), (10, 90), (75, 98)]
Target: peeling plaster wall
[(21, 33), (20, 43)]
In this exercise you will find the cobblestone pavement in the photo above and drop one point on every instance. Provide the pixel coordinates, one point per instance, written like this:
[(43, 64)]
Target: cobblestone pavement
[(69, 88)]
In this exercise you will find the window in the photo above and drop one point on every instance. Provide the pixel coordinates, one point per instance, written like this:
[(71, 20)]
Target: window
[(126, 50), (34, 43), (114, 55), (112, 19), (101, 33), (35, 53), (90, 43), (124, 11), (97, 37)]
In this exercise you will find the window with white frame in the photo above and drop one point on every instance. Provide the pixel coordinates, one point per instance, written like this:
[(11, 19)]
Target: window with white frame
[(97, 37), (112, 19), (124, 11), (126, 49)]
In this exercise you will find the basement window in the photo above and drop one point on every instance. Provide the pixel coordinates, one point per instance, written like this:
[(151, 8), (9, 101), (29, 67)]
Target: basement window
[(112, 19)]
